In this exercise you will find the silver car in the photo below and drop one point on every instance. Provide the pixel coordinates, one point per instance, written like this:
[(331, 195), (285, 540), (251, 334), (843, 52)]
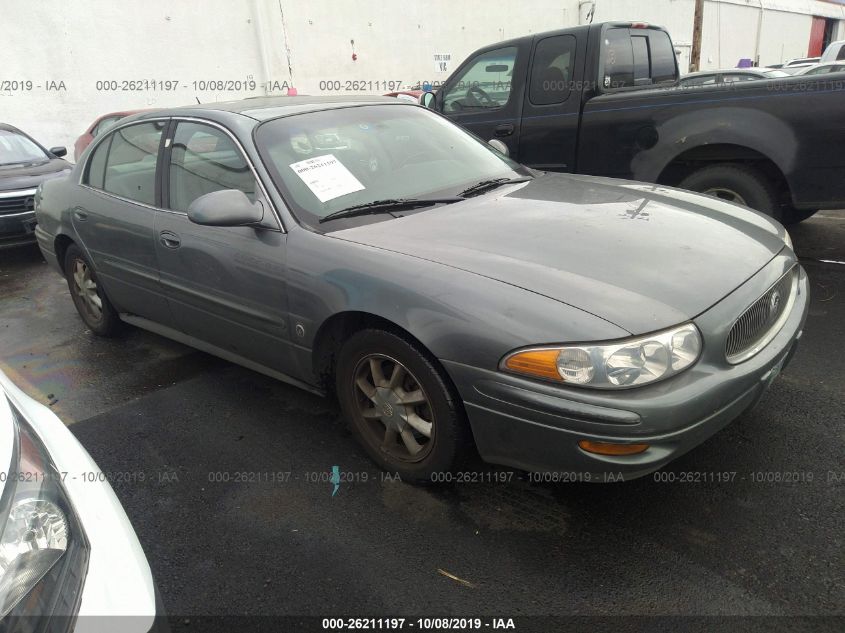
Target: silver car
[(446, 295)]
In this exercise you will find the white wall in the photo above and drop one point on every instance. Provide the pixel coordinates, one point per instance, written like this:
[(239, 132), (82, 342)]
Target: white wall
[(278, 43), (80, 43)]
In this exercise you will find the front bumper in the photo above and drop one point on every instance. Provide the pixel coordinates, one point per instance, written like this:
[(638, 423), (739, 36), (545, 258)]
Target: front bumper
[(17, 229), (118, 592), (537, 427)]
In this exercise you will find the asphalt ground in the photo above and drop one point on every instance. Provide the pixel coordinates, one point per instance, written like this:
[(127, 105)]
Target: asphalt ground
[(224, 474)]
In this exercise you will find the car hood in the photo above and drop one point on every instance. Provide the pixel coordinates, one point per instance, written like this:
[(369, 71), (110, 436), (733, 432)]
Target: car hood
[(27, 176), (641, 256)]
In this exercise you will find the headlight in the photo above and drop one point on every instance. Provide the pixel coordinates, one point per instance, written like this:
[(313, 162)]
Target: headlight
[(618, 365), (43, 551)]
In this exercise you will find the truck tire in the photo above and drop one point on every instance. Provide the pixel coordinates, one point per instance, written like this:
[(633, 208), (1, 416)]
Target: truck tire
[(736, 183), (794, 216)]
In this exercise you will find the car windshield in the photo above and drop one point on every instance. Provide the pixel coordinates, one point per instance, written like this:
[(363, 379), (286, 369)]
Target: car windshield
[(326, 161), (17, 149)]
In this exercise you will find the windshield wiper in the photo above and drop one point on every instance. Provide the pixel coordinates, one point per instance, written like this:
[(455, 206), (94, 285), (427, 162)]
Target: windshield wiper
[(386, 206), (487, 185)]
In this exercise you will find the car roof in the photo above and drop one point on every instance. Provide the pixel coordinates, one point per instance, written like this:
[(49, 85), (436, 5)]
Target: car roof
[(807, 69), (10, 128), (122, 113), (265, 108)]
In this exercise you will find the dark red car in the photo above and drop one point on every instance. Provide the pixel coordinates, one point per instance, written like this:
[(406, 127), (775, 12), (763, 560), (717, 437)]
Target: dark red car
[(96, 127)]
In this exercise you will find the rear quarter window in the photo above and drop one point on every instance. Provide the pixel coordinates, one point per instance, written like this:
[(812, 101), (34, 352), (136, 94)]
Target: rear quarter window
[(95, 174), (618, 59)]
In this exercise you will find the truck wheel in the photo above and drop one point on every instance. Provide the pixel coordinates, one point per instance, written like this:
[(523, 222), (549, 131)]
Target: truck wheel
[(91, 302), (794, 216), (399, 406), (735, 183)]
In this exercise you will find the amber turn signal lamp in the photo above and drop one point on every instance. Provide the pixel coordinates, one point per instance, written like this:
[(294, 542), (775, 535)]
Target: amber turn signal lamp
[(541, 363), (609, 448)]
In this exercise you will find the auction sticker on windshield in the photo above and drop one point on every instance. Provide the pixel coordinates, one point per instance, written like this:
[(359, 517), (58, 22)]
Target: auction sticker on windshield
[(327, 177)]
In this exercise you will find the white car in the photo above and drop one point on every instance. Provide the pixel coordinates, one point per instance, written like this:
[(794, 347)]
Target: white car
[(823, 69), (67, 549), (835, 52)]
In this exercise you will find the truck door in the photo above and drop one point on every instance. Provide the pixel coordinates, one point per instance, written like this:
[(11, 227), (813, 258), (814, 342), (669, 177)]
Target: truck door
[(551, 109), (479, 95)]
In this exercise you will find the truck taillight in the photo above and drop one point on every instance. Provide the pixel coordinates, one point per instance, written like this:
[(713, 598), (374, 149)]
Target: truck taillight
[(639, 25)]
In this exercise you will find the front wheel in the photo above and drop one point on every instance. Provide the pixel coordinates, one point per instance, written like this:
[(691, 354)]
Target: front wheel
[(399, 406)]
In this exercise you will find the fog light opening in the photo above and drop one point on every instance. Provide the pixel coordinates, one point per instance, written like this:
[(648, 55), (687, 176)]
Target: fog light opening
[(610, 448)]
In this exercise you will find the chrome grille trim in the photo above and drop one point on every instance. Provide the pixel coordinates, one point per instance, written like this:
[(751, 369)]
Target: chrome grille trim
[(17, 202), (758, 325)]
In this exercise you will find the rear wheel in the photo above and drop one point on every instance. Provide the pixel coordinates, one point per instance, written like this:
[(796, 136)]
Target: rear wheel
[(91, 302), (398, 405), (740, 184)]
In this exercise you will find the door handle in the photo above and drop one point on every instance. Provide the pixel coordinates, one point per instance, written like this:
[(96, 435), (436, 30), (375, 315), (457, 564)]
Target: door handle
[(505, 129), (80, 215), (170, 240)]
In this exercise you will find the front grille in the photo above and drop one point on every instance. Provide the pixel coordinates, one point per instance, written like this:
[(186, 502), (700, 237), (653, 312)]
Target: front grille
[(758, 324), (17, 202)]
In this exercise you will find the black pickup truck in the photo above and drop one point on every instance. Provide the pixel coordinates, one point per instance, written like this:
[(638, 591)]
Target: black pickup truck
[(603, 99)]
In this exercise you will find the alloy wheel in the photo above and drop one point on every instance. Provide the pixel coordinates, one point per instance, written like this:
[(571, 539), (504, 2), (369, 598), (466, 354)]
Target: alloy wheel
[(85, 288), (396, 412)]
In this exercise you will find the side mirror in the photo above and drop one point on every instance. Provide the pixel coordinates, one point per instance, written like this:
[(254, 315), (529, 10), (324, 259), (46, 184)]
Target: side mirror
[(499, 146), (227, 207), (428, 100), (58, 152)]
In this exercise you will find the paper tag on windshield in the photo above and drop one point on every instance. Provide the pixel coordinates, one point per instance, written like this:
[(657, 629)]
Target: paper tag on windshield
[(327, 177)]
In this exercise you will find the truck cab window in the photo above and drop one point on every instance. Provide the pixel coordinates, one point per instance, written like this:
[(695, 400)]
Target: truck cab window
[(642, 67), (635, 57), (618, 59), (485, 84), (664, 64), (551, 72)]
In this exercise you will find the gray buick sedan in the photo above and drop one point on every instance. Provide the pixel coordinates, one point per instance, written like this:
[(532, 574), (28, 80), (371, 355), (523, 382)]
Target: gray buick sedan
[(446, 295)]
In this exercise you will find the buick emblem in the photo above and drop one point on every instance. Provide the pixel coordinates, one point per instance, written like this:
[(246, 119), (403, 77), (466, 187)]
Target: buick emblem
[(774, 304)]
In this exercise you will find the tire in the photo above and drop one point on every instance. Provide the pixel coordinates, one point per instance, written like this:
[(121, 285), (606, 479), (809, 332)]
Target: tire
[(749, 186), (794, 216), (79, 272), (383, 433)]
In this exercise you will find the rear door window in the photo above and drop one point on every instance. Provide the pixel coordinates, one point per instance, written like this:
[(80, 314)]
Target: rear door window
[(130, 170), (551, 72)]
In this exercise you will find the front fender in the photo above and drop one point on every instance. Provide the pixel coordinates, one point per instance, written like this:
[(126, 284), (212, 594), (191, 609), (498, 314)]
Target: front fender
[(457, 315)]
